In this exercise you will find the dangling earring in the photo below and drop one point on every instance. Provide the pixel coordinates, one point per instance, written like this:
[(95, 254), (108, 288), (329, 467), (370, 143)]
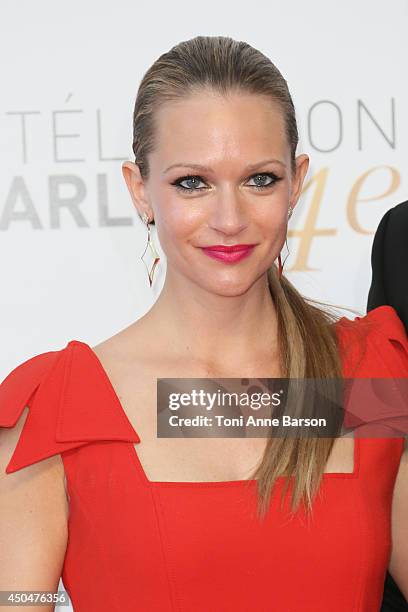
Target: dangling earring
[(150, 244), (280, 264)]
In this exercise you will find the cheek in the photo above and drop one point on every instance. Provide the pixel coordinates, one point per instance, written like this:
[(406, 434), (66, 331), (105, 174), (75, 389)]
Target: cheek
[(177, 221), (272, 219)]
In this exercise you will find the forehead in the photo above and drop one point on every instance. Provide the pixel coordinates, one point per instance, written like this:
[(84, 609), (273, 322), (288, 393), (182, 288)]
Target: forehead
[(206, 126)]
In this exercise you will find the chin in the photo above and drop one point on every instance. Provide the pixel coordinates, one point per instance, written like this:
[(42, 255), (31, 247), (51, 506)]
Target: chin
[(228, 288)]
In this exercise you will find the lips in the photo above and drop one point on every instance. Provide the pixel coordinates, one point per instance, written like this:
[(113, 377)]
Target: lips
[(229, 254), (225, 248)]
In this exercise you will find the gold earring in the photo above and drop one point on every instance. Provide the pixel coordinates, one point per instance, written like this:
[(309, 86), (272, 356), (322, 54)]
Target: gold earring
[(154, 253), (280, 264)]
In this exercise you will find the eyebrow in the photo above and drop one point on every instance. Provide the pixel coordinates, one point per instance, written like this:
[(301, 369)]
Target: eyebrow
[(248, 168)]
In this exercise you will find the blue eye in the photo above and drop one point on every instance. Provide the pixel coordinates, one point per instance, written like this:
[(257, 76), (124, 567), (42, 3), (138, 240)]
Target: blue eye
[(194, 180), (273, 179)]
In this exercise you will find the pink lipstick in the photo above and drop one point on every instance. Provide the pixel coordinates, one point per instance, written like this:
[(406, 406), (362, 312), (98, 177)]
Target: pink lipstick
[(229, 254)]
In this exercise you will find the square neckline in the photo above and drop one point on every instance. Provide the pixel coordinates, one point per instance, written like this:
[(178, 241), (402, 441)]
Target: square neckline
[(200, 483)]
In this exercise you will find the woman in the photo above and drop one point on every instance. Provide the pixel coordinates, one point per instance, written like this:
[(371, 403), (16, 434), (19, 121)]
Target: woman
[(170, 524)]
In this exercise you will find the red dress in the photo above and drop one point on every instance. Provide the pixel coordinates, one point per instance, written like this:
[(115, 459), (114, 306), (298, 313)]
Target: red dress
[(141, 546)]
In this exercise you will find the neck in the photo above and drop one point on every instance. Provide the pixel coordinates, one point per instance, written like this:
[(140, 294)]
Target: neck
[(214, 328)]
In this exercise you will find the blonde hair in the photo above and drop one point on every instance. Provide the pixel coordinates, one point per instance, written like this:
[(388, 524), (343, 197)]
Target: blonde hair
[(306, 335)]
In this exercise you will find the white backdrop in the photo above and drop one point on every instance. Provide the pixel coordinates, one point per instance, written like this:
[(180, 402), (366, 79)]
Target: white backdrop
[(70, 240)]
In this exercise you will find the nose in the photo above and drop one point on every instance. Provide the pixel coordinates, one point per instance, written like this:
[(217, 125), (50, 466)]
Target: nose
[(229, 214)]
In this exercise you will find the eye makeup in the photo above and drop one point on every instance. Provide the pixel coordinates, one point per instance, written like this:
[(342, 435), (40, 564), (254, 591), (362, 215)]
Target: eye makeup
[(195, 177)]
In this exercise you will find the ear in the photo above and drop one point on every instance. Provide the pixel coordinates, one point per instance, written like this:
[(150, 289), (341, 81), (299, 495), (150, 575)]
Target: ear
[(136, 187), (302, 165)]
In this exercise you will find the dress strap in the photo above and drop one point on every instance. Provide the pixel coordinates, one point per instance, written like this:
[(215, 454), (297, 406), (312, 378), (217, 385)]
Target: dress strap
[(69, 405), (374, 350)]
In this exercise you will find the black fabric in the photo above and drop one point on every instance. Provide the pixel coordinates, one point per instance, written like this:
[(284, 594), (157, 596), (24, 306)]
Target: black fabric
[(389, 262), (389, 285)]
